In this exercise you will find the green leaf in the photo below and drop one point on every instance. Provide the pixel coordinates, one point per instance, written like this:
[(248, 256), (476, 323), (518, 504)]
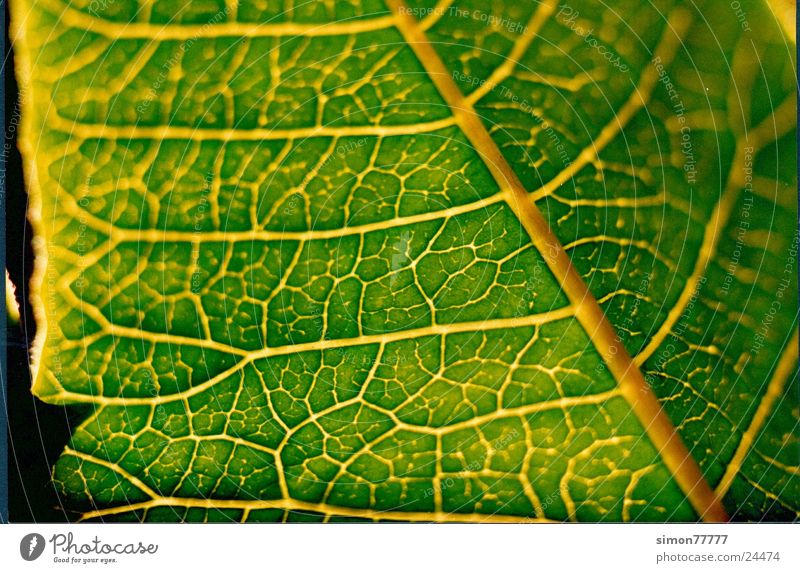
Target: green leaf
[(454, 261)]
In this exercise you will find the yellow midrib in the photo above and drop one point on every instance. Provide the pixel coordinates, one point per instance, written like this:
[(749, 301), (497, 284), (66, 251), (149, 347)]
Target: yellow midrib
[(633, 386)]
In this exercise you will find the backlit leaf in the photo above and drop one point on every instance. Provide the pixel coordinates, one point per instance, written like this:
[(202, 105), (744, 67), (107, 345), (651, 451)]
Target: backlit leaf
[(454, 261)]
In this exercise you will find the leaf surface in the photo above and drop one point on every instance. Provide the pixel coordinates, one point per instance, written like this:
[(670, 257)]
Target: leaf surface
[(449, 261)]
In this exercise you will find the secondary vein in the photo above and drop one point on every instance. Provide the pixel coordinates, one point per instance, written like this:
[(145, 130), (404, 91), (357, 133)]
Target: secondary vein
[(783, 372)]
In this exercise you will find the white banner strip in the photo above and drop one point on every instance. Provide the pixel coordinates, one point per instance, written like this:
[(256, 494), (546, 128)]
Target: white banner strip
[(400, 548)]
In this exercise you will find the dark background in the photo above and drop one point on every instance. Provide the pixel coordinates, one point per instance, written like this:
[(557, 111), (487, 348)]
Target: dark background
[(37, 432)]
